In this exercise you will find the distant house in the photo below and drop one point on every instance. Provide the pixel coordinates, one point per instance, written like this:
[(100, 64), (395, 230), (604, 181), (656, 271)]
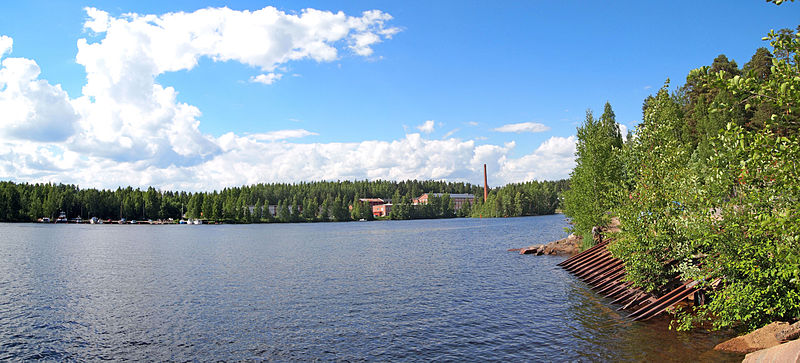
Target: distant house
[(372, 201), (381, 210), (458, 199)]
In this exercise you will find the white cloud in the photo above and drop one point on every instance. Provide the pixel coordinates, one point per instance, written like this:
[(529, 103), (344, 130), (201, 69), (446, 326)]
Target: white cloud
[(269, 158), (6, 44), (127, 116), (450, 133), (472, 123), (268, 78), (97, 20), (281, 135), (362, 42), (126, 129), (553, 159), (623, 130), (32, 109), (368, 30), (523, 127), (427, 127)]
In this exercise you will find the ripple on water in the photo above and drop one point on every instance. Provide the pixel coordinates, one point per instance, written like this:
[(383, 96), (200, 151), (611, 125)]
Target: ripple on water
[(442, 290)]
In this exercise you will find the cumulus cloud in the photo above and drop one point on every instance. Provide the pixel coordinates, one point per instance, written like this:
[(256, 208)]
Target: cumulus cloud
[(523, 127), (553, 159), (281, 135), (268, 78), (5, 45), (32, 109), (427, 127), (97, 20), (271, 158), (126, 116), (126, 129)]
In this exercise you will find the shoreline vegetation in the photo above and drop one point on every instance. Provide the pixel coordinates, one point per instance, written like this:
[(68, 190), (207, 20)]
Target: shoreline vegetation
[(706, 189), (275, 203)]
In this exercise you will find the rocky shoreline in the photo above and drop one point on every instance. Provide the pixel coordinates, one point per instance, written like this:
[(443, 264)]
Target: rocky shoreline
[(566, 247), (775, 342)]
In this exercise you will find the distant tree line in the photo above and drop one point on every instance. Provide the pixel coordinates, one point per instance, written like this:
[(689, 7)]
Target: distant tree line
[(521, 199), (301, 202)]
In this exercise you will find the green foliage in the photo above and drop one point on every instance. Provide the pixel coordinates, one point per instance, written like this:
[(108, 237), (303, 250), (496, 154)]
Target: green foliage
[(652, 214), (596, 180), (360, 210), (436, 207), (757, 239), (302, 202), (297, 202), (519, 199), (713, 192)]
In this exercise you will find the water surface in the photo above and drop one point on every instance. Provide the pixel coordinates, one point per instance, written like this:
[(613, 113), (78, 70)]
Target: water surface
[(444, 290)]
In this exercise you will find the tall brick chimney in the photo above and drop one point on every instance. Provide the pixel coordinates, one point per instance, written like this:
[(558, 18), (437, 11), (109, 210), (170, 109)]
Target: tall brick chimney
[(485, 185)]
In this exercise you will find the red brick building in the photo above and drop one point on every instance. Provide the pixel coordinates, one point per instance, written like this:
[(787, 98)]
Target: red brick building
[(458, 199), (381, 210), (372, 201)]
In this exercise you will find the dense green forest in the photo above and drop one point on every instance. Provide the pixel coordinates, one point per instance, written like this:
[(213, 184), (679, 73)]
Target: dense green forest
[(521, 199), (707, 187), (303, 202)]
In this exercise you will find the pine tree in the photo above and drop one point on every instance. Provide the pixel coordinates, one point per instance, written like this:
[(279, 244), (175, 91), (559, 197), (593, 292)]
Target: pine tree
[(283, 212), (258, 212)]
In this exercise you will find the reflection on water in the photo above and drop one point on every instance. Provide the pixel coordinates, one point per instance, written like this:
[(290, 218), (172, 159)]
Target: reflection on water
[(610, 336), (404, 290)]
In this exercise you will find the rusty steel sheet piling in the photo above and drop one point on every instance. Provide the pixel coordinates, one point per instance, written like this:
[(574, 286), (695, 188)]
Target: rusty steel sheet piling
[(606, 275)]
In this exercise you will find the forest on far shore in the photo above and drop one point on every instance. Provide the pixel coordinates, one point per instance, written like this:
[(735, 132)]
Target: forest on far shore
[(322, 201)]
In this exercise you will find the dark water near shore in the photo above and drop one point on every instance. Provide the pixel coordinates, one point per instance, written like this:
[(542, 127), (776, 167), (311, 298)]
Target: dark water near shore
[(443, 290)]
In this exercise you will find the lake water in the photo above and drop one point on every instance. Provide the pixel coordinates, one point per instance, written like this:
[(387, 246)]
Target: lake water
[(444, 290)]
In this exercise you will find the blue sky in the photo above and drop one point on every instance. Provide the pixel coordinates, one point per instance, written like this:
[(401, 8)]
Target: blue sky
[(470, 67)]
